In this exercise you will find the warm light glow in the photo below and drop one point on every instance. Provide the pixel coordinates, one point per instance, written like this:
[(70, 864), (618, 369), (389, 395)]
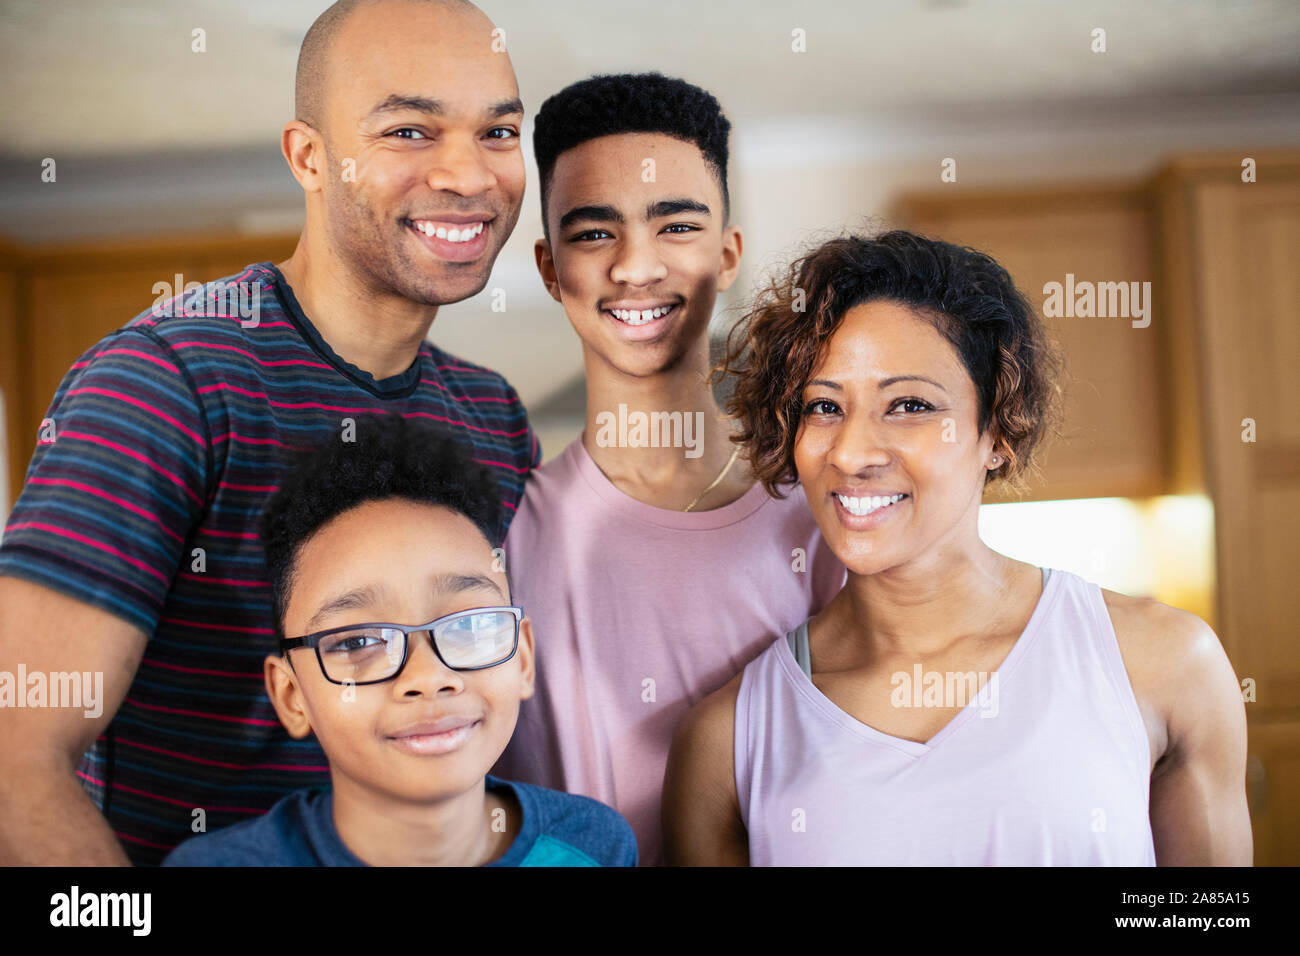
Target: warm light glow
[(1159, 547)]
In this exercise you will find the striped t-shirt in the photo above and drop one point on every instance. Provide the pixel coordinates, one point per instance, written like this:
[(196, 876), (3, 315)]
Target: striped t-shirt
[(143, 496)]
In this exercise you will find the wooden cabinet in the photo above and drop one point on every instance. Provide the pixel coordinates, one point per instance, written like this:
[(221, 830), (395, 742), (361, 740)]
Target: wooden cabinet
[(1112, 437), (1273, 791), (1235, 242)]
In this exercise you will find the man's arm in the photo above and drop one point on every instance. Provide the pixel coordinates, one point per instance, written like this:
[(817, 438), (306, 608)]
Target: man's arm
[(46, 818), (701, 812)]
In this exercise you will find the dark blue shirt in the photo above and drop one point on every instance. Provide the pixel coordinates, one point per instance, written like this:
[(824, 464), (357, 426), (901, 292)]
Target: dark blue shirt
[(558, 829)]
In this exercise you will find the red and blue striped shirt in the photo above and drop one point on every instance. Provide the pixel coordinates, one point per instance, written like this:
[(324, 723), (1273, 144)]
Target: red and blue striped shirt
[(167, 439)]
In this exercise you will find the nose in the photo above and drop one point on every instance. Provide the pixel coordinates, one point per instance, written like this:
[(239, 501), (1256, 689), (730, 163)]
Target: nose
[(424, 672), (458, 167), (859, 445), (637, 262)]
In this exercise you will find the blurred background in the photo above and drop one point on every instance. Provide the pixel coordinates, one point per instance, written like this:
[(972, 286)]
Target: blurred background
[(1108, 141)]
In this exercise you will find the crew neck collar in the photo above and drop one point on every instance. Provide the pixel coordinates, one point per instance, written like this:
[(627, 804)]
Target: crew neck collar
[(629, 507), (395, 386)]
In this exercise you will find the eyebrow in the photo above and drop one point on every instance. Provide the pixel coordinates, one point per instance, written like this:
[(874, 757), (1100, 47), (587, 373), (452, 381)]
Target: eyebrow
[(401, 102), (656, 210), (369, 595), (362, 597), (884, 382), (457, 583)]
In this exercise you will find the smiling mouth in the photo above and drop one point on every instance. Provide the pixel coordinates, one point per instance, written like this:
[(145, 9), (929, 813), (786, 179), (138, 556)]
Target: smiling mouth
[(450, 231), (639, 317), (868, 504), (433, 743)]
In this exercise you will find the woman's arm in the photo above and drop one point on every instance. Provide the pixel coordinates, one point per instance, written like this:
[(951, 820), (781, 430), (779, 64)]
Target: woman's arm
[(1178, 668), (701, 813)]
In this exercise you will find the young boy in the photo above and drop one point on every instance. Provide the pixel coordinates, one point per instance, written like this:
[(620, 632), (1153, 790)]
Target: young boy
[(398, 527), (653, 564)]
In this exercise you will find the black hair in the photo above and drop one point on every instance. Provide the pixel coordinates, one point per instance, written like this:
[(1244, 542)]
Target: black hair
[(391, 457), (609, 104)]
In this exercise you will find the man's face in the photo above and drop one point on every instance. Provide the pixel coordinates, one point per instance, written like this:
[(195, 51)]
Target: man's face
[(422, 125), (888, 448), (638, 250), (431, 732)]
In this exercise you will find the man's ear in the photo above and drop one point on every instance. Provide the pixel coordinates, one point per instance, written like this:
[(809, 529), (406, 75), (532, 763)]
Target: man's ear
[(546, 267), (286, 696), (304, 151), (526, 661), (732, 244)]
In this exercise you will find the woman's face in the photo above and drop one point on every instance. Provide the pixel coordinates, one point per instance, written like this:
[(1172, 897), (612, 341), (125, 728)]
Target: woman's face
[(888, 448)]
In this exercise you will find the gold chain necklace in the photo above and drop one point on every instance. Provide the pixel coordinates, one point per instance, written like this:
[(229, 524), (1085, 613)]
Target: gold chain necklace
[(723, 474)]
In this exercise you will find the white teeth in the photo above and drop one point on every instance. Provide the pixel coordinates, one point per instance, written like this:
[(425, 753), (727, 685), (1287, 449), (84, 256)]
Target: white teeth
[(640, 316), (866, 505), (455, 234)]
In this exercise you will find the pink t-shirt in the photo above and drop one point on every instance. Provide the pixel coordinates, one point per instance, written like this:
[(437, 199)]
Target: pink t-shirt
[(639, 612)]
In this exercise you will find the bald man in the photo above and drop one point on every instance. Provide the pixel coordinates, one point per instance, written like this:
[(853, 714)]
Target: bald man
[(135, 613)]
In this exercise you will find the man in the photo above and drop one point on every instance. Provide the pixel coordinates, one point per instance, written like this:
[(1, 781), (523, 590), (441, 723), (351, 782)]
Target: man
[(653, 566), (133, 550)]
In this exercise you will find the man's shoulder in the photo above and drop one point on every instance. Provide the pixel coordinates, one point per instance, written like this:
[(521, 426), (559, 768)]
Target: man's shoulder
[(184, 306), (452, 368), (277, 838), (232, 319)]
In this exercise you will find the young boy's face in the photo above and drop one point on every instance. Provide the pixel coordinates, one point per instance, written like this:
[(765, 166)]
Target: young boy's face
[(430, 732), (638, 250)]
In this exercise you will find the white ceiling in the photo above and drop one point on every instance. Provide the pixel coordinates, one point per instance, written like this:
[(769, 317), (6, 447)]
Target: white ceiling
[(87, 76)]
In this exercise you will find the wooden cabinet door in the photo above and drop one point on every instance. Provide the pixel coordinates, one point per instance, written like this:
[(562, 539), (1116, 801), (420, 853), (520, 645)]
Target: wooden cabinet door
[(1273, 790), (1111, 442), (1245, 239)]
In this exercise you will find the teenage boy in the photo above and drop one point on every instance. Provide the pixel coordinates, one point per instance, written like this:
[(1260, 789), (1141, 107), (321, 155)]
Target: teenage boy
[(400, 526), (132, 551), (654, 565)]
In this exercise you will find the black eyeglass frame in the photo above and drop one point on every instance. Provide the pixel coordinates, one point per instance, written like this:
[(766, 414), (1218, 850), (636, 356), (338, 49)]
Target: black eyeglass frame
[(313, 641)]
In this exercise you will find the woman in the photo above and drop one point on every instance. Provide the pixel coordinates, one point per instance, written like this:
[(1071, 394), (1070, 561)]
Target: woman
[(951, 705)]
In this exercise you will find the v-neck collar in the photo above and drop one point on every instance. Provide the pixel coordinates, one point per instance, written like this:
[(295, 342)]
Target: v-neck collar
[(804, 684)]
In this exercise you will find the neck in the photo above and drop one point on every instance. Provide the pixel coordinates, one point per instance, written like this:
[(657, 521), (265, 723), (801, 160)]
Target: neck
[(960, 588), (378, 331), (455, 831), (666, 476)]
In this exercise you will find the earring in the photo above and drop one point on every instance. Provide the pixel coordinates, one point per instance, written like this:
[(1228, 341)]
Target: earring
[(995, 459)]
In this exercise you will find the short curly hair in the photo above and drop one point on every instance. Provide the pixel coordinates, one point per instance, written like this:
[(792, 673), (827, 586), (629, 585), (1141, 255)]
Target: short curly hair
[(391, 457), (971, 300), (609, 104)]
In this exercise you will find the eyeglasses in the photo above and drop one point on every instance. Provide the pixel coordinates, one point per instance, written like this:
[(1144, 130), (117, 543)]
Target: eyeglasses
[(372, 653)]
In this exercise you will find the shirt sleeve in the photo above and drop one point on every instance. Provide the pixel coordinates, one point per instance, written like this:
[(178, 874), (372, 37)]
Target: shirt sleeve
[(117, 481)]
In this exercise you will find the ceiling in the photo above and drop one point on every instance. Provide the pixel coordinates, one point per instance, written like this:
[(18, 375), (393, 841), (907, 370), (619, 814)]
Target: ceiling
[(95, 78)]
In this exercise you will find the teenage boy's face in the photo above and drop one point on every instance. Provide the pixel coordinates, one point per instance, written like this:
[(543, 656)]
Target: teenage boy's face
[(425, 116), (636, 264), (431, 732), (889, 411)]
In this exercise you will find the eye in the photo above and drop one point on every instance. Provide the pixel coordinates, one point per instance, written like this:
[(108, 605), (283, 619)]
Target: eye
[(912, 406), (351, 643), (510, 133), (591, 235), (684, 228), (406, 129), (821, 406)]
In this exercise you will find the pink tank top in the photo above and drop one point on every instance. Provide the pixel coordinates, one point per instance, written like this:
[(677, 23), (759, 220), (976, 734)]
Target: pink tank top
[(1047, 764)]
